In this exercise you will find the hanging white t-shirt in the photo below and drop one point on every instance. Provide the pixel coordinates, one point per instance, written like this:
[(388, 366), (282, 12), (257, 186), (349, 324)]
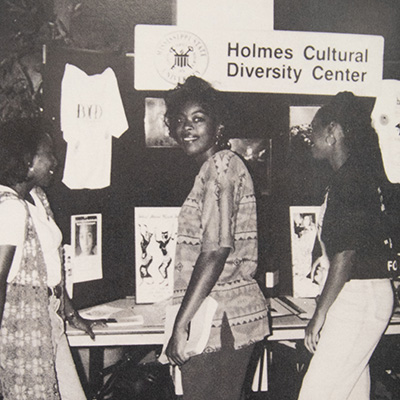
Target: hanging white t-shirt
[(91, 114), (386, 121), (13, 216)]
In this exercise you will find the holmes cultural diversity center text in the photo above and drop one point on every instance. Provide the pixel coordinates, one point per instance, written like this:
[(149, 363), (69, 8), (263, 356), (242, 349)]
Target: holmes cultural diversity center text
[(344, 65)]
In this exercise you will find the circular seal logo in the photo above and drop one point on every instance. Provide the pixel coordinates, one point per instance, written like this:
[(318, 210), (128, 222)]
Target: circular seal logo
[(180, 54)]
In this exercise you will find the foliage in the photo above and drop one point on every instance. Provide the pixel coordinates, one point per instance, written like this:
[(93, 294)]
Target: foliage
[(30, 24)]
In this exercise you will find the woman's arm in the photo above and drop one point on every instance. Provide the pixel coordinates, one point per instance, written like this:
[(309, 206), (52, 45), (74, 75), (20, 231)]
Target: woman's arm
[(77, 321), (6, 257), (338, 275), (206, 272)]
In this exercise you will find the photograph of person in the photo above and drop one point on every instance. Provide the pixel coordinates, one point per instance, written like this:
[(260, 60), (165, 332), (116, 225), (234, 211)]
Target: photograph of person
[(86, 238), (86, 230), (156, 132)]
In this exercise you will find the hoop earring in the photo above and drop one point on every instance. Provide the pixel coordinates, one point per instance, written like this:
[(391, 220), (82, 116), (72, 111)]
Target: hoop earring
[(220, 137), (222, 142), (330, 140)]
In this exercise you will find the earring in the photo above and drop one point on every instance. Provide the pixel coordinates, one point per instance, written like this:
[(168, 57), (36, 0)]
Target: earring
[(330, 140), (219, 138)]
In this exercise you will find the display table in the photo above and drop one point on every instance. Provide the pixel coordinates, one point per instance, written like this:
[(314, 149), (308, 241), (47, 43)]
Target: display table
[(143, 324), (124, 332), (295, 315)]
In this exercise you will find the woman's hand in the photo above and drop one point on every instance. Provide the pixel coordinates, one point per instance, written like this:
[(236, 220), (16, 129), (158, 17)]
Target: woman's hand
[(176, 348), (85, 325), (312, 332), (206, 272), (339, 273)]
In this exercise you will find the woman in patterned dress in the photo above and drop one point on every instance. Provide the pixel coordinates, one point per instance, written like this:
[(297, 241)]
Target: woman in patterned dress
[(35, 359), (216, 251)]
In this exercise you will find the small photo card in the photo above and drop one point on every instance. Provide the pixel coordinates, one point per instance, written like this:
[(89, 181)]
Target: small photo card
[(86, 241), (308, 271)]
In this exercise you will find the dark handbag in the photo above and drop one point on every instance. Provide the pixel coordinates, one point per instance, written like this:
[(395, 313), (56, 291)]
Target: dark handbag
[(145, 382), (130, 379)]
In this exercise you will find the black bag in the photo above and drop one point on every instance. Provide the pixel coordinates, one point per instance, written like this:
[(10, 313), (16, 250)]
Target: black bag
[(130, 379), (144, 382)]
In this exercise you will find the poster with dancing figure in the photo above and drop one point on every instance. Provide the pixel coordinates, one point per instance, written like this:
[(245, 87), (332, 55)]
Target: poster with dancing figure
[(155, 242)]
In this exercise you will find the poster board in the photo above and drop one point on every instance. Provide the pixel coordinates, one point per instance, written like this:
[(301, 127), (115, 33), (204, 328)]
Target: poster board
[(86, 239), (155, 243)]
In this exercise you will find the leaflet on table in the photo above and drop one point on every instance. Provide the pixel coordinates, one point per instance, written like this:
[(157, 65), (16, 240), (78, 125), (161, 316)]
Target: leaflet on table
[(200, 327), (121, 315), (279, 308), (303, 307)]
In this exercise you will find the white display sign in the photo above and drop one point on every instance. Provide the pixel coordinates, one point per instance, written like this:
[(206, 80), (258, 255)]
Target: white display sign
[(386, 120), (225, 14), (259, 61)]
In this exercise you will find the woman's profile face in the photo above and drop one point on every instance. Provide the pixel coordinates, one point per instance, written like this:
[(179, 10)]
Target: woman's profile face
[(318, 138), (196, 130), (44, 163)]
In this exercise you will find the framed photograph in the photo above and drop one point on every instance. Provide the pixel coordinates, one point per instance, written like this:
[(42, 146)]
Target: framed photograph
[(86, 242), (155, 243), (302, 115), (300, 118), (308, 270), (258, 155), (156, 131)]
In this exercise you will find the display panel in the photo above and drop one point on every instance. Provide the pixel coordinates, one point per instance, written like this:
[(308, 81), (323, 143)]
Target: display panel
[(155, 242), (86, 239), (308, 272)]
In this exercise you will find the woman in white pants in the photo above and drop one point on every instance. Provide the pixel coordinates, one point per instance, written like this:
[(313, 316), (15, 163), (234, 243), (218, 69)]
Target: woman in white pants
[(356, 302)]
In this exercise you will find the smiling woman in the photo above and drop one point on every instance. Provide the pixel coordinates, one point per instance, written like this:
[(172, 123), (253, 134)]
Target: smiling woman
[(32, 297), (216, 249), (196, 130), (346, 327), (195, 116)]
